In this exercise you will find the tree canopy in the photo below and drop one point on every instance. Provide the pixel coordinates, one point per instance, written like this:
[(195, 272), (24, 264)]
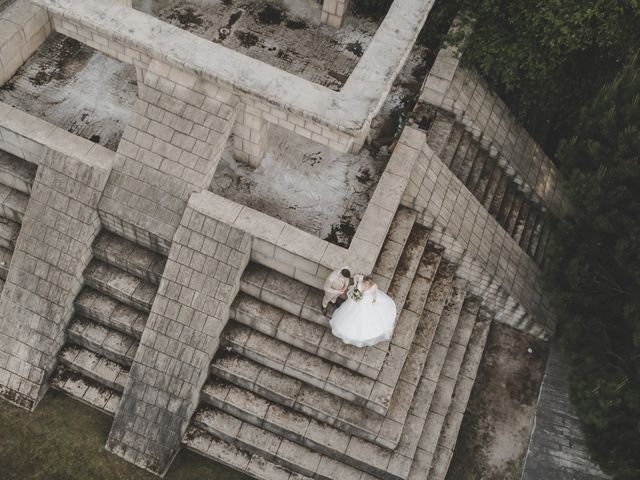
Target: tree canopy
[(550, 57), (594, 272)]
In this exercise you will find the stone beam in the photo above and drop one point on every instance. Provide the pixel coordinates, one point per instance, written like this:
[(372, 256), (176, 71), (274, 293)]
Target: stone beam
[(200, 280), (52, 251), (334, 12)]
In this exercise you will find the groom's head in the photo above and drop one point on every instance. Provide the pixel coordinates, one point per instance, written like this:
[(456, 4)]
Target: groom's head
[(345, 273)]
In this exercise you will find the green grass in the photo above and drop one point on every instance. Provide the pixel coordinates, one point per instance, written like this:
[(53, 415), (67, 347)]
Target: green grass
[(64, 440)]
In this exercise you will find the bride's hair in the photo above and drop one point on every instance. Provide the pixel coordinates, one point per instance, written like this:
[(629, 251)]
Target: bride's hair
[(367, 279)]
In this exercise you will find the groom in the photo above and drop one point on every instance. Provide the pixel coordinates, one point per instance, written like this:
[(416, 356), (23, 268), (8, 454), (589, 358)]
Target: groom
[(335, 286)]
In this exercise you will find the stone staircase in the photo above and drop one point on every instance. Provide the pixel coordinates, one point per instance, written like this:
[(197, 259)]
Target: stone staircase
[(110, 315), (285, 399), (16, 181), (495, 186)]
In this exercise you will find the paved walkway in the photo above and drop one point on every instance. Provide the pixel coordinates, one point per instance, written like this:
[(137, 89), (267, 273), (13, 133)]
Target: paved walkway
[(557, 450)]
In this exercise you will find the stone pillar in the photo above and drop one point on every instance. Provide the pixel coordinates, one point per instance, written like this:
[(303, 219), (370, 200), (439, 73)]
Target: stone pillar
[(334, 12), (250, 136), (53, 249), (170, 149), (200, 280)]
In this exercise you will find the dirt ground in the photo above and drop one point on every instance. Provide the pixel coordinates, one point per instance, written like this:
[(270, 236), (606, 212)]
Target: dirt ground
[(64, 439), (496, 429)]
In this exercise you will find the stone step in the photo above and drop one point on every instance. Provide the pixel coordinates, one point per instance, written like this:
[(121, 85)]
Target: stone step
[(95, 367), (438, 134), (301, 397), (451, 364), (13, 203), (16, 173), (87, 391), (437, 462), (496, 181), (476, 171), (536, 234), (408, 264), (121, 285), (203, 443), (110, 312), (456, 142), (277, 421), (527, 231), (466, 166), (299, 364), (393, 246), (464, 146), (482, 185), (297, 332), (521, 221), (313, 401), (508, 200), (542, 244), (5, 262), (280, 451), (9, 231), (129, 256), (514, 212), (255, 424), (439, 338), (303, 429), (304, 301), (104, 341), (494, 202), (429, 286)]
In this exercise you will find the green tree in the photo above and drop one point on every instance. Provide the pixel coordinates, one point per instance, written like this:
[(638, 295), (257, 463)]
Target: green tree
[(594, 272), (550, 57)]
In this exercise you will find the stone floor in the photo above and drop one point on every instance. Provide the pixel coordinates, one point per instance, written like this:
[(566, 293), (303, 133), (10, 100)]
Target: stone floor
[(285, 34), (500, 416), (308, 185), (557, 449), (76, 88)]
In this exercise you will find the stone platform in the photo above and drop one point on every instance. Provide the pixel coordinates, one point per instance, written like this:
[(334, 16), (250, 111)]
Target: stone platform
[(194, 320)]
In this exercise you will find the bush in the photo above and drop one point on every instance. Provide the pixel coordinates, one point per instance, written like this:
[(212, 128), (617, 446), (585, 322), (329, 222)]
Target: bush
[(594, 272)]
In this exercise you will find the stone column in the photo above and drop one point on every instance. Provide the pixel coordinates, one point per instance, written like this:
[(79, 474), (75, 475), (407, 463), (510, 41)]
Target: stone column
[(53, 249), (334, 12), (200, 280), (250, 136), (170, 149)]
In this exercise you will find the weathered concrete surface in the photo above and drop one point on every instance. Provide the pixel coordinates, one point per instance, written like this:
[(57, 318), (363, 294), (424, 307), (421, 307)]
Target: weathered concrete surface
[(287, 36), (557, 450), (76, 88)]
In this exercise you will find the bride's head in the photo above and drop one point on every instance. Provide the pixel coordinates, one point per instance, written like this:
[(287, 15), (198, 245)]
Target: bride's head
[(367, 281)]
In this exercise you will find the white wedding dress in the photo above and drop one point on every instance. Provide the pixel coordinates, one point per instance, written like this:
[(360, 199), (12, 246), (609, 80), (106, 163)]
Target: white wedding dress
[(367, 321)]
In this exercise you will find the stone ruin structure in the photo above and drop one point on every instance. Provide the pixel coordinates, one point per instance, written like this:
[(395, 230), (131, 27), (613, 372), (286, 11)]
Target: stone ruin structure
[(194, 320)]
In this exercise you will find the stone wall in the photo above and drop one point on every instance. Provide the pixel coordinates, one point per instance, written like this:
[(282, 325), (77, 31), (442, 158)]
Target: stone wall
[(340, 120), (464, 93), (497, 269), (170, 149), (200, 280), (23, 28), (52, 251)]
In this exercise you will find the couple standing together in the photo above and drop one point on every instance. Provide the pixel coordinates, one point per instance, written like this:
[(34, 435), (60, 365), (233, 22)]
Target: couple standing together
[(364, 315)]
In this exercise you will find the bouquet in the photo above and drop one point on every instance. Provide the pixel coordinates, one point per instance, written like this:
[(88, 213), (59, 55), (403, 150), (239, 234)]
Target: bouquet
[(355, 294)]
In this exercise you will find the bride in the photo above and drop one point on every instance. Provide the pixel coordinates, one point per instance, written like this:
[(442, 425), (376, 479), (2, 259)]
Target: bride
[(367, 316)]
